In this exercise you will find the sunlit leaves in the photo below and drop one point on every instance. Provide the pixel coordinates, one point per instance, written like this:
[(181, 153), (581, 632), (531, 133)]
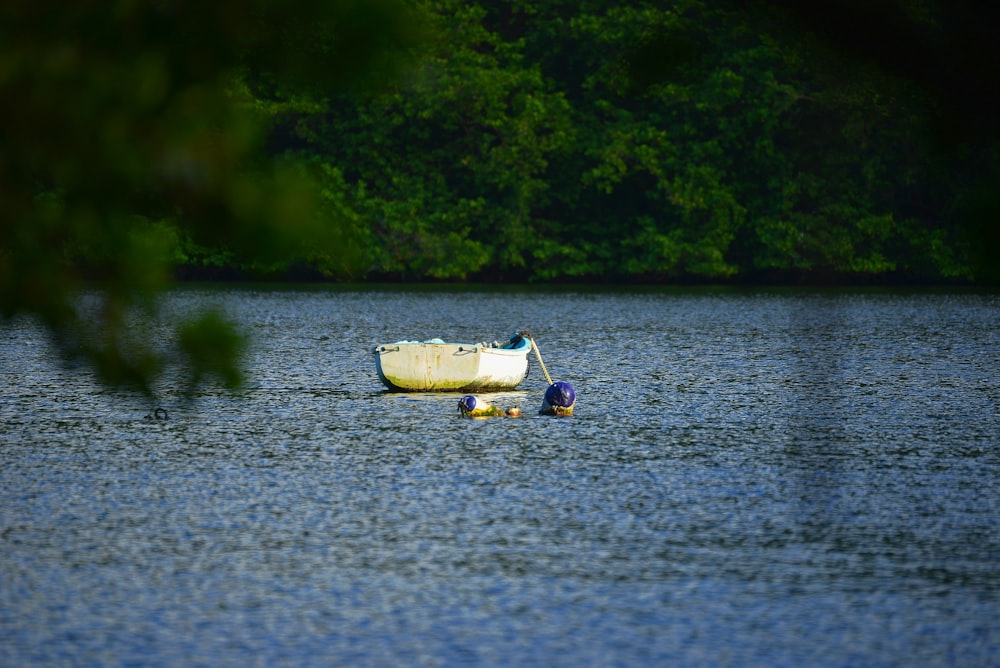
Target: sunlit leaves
[(456, 156)]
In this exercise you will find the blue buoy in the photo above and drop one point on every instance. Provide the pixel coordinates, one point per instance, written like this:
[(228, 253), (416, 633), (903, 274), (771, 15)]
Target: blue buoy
[(467, 404), (560, 397), (471, 406)]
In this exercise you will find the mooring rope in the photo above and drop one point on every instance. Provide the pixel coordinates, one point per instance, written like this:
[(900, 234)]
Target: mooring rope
[(545, 371)]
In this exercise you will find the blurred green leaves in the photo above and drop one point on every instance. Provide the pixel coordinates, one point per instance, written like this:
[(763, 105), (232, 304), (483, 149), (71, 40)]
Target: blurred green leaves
[(209, 346), (132, 130)]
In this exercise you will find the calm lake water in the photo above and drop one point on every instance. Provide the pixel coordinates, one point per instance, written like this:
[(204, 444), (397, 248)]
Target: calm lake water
[(752, 478)]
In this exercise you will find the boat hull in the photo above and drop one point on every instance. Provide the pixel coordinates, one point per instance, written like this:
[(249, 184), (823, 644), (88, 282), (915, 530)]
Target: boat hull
[(450, 367)]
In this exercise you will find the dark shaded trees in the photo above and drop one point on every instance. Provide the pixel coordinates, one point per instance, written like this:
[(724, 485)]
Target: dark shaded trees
[(647, 141)]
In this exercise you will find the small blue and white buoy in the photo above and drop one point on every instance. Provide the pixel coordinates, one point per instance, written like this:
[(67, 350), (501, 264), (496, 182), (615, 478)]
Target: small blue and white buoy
[(560, 397), (472, 406)]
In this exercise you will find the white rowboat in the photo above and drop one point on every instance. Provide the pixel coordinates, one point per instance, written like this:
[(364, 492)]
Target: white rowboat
[(437, 366)]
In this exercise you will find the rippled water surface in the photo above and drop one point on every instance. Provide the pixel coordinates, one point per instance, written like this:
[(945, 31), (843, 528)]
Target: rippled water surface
[(751, 478)]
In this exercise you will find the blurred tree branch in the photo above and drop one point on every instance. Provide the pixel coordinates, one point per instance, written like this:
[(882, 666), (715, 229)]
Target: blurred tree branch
[(124, 125)]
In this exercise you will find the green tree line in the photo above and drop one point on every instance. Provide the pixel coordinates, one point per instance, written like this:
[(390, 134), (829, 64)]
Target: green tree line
[(480, 140), (646, 141)]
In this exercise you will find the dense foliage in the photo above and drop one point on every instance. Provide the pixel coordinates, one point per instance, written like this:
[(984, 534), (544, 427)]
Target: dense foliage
[(480, 140), (645, 141)]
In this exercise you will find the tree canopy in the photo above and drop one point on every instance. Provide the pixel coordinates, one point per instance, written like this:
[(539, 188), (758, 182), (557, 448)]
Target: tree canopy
[(651, 141)]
